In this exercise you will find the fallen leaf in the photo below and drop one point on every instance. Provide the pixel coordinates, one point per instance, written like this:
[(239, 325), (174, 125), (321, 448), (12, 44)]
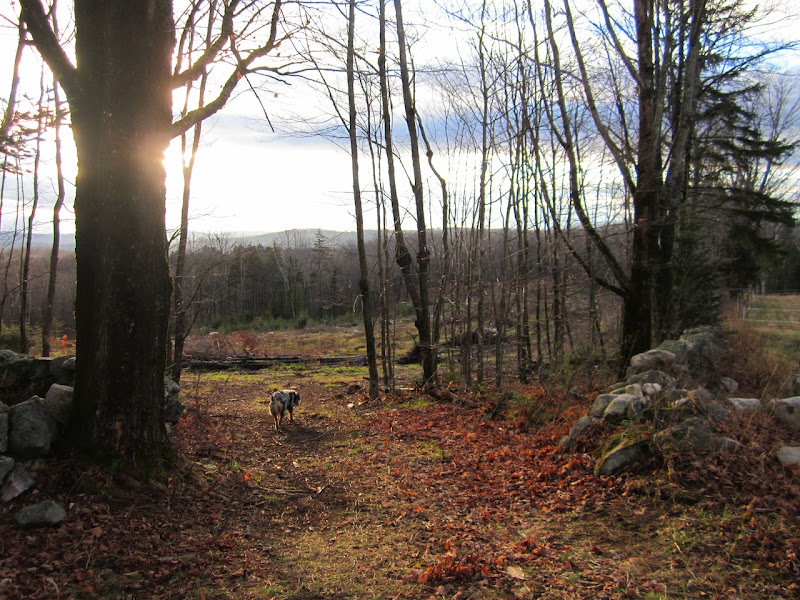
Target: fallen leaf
[(515, 572)]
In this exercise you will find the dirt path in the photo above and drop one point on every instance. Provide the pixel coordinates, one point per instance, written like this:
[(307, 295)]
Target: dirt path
[(399, 500), (384, 502)]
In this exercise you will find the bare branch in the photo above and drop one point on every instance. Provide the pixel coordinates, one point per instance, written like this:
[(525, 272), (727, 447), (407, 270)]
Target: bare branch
[(45, 40), (242, 69)]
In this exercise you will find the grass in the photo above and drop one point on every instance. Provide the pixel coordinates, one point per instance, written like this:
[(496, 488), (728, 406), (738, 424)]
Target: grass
[(321, 340), (777, 319), (408, 498), (365, 502)]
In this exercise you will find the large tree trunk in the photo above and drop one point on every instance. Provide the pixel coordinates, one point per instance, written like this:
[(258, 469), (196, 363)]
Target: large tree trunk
[(637, 305), (121, 119)]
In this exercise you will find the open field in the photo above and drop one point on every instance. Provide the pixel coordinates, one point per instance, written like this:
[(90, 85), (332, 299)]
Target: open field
[(405, 498), (775, 317)]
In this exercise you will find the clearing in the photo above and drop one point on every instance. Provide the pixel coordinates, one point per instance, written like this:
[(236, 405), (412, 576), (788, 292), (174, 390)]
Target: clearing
[(401, 498)]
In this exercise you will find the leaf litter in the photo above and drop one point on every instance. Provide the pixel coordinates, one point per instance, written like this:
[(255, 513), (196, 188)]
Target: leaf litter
[(397, 498)]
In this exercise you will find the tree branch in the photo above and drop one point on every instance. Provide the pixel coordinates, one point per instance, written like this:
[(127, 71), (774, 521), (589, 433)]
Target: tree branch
[(46, 42), (602, 128), (242, 68), (199, 66)]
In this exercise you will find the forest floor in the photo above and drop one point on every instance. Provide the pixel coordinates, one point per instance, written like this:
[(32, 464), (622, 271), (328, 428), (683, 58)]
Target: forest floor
[(396, 499)]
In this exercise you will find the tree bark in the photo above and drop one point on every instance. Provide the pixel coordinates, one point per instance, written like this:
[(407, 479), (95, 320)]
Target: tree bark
[(120, 96), (24, 344), (423, 310), (47, 322), (363, 279)]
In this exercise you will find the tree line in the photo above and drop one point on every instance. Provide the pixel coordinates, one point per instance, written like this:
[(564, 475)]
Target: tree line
[(629, 162)]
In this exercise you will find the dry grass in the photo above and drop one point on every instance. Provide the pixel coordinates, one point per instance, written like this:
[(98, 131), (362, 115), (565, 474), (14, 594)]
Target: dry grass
[(323, 340), (762, 368), (776, 318), (404, 499)]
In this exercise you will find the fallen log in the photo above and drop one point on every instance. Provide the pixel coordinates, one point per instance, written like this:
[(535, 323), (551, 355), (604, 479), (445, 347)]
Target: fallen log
[(264, 362)]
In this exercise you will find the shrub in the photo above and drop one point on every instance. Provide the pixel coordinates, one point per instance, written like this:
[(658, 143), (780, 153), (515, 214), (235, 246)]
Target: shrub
[(9, 337)]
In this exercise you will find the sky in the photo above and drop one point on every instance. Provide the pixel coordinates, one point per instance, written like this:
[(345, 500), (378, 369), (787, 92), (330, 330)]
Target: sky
[(247, 178)]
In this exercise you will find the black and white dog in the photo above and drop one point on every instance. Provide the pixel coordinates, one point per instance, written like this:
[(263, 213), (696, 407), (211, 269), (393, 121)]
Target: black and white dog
[(283, 401)]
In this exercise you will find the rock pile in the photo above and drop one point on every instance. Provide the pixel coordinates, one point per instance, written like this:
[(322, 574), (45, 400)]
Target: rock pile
[(670, 403), (30, 430)]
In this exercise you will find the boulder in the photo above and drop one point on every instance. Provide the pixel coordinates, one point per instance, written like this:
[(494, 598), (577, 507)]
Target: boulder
[(32, 429), (656, 359), (173, 407), (17, 482), (705, 403), (17, 370), (703, 350), (617, 388), (581, 427), (3, 427), (794, 384), (600, 404), (678, 348), (6, 464), (617, 409), (731, 386), (170, 388), (787, 411), (677, 411), (690, 436), (653, 376), (789, 455), (22, 376), (635, 389), (622, 451), (745, 405), (62, 369), (651, 389), (635, 410), (44, 514), (58, 404)]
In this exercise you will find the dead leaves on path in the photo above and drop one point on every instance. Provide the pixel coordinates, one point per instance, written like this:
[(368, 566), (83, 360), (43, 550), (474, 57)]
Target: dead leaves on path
[(468, 462), (478, 507), (517, 515), (482, 485)]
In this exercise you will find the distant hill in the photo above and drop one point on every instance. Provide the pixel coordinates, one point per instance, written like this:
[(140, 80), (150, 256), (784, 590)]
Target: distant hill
[(302, 237), (293, 237), (40, 240)]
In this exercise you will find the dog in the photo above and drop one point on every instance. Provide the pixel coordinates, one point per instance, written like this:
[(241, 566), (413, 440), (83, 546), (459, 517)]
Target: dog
[(283, 401)]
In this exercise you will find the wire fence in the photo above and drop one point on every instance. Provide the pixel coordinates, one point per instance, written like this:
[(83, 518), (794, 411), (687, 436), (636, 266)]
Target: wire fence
[(773, 309)]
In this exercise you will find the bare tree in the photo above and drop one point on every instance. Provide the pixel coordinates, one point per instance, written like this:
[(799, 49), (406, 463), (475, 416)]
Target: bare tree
[(24, 283), (49, 307), (363, 280), (180, 294)]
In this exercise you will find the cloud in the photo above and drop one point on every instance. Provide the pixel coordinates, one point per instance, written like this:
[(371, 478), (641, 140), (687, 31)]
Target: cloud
[(248, 180)]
